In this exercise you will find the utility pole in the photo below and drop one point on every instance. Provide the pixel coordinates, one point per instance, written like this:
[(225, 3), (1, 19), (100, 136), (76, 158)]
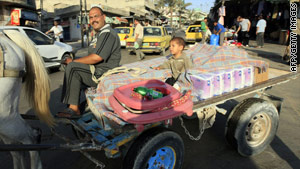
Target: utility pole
[(81, 26), (86, 27), (41, 8)]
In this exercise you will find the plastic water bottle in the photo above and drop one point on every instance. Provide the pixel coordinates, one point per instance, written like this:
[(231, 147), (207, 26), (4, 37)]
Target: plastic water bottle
[(141, 90), (148, 93)]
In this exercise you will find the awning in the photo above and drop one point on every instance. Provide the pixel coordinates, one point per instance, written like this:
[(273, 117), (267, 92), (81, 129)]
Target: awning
[(122, 20), (29, 15), (108, 19), (118, 20), (115, 21)]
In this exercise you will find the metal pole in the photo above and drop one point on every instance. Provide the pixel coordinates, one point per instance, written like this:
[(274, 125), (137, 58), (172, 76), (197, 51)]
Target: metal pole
[(86, 18), (81, 26), (41, 8), (38, 147)]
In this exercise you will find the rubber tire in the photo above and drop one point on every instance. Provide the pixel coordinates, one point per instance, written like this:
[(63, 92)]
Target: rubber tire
[(239, 119), (163, 52), (63, 66), (148, 143)]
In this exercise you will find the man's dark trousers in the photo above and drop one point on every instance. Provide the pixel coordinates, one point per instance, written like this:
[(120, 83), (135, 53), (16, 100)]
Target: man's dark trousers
[(245, 38), (76, 76), (260, 39)]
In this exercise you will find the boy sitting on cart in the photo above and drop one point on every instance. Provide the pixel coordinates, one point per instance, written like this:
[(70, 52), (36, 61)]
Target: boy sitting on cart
[(178, 62)]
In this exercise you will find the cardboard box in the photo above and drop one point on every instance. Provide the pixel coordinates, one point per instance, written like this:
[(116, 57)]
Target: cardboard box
[(261, 74)]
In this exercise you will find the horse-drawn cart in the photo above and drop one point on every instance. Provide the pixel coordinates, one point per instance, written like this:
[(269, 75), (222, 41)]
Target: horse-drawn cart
[(251, 126)]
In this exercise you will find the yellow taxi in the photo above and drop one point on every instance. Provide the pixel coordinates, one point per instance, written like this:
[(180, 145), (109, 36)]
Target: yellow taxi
[(124, 33), (156, 39), (193, 33)]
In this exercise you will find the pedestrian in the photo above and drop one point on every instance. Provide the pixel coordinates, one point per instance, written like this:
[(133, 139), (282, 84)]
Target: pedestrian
[(58, 32), (260, 31), (178, 62), (138, 37), (219, 30), (244, 27), (203, 30), (104, 53), (147, 23)]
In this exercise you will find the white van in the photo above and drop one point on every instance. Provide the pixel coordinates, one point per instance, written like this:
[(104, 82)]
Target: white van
[(51, 51)]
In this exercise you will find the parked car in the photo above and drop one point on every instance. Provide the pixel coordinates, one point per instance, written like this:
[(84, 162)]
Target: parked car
[(156, 39), (171, 31), (51, 51), (193, 33), (124, 33)]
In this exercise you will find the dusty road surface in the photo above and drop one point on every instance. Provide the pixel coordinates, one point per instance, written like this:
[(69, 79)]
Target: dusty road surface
[(211, 151)]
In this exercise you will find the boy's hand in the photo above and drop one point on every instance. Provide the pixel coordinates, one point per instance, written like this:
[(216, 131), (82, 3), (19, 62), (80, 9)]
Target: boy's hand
[(156, 68)]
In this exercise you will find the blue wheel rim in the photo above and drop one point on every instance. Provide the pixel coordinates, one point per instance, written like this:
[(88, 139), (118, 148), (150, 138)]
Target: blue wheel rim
[(164, 157)]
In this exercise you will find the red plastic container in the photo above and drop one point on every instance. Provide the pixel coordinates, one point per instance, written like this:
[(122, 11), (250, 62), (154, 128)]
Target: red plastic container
[(150, 117), (123, 94), (124, 104)]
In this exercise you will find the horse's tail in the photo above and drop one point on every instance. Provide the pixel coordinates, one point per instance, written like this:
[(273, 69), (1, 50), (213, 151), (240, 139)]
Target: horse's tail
[(37, 86)]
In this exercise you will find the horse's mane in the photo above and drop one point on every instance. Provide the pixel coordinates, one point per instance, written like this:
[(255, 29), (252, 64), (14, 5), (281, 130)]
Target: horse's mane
[(37, 86)]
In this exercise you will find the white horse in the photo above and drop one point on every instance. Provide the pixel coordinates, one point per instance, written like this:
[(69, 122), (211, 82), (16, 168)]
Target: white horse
[(16, 52)]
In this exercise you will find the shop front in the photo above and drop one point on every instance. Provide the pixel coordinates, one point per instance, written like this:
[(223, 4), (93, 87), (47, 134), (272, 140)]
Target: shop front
[(275, 12), (23, 17)]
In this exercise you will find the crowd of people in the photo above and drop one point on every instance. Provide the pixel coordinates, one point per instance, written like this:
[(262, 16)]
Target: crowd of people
[(244, 29)]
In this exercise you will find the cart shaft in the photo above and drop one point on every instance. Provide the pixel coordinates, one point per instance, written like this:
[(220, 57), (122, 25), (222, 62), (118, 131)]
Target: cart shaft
[(38, 147)]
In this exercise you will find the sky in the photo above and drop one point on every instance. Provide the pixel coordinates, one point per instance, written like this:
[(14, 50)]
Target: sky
[(204, 5)]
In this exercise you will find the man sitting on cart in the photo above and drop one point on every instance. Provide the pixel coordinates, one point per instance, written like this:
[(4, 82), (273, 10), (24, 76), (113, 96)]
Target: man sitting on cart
[(104, 53)]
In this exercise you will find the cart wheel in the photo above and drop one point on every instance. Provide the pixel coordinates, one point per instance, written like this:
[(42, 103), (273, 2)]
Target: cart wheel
[(156, 148), (251, 126)]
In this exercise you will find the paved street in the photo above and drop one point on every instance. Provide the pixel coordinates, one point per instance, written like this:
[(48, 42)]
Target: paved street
[(211, 151)]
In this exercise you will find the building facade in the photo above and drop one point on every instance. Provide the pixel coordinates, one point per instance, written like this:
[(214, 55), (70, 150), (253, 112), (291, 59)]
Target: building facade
[(68, 13)]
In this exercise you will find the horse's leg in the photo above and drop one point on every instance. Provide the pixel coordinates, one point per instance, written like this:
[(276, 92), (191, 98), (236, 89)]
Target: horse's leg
[(35, 160), (34, 155), (12, 125), (18, 156), (28, 136)]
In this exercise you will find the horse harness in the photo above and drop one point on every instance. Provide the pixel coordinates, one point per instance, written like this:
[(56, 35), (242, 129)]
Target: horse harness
[(4, 72)]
